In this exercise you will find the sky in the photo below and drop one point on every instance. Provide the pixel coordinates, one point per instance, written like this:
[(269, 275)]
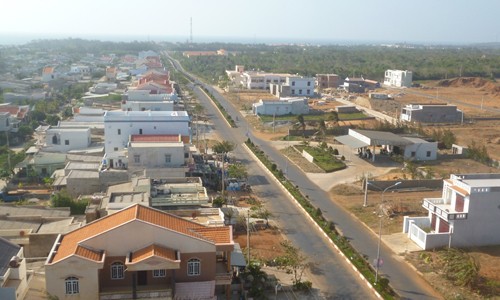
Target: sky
[(422, 21)]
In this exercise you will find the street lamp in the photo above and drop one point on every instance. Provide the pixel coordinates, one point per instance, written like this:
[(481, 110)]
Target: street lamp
[(380, 229)]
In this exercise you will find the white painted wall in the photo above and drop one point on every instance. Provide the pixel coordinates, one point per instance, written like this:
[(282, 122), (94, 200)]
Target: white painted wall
[(119, 125), (145, 234), (66, 139), (84, 270), (423, 151), (398, 78), (154, 155), (286, 106)]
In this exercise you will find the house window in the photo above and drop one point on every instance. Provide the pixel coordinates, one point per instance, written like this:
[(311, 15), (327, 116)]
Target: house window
[(137, 158), (308, 83), (72, 286), (115, 149), (413, 154), (119, 131), (293, 91), (300, 92), (428, 154), (159, 273), (308, 92), (140, 131), (117, 270), (293, 83), (168, 158), (193, 267), (66, 142)]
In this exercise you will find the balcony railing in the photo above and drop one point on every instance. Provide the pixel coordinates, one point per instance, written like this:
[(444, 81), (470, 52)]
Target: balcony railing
[(141, 294), (444, 211)]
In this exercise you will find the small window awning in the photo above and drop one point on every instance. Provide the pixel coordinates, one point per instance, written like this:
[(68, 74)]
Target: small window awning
[(351, 141), (237, 258)]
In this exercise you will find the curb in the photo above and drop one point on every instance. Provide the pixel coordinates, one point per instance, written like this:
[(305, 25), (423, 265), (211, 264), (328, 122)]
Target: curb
[(370, 286)]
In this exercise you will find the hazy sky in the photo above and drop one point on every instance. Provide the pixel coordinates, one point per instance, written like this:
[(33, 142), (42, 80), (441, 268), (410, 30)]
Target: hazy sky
[(435, 21)]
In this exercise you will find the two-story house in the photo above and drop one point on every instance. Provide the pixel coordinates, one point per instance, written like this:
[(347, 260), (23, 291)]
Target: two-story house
[(466, 215), (140, 252), (120, 125), (294, 86), (398, 78), (431, 113)]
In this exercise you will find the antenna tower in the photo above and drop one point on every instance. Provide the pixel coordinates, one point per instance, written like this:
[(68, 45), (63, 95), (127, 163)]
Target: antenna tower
[(191, 31)]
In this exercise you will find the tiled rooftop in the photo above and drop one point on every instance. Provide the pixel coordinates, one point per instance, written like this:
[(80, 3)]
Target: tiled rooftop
[(153, 250), (70, 242)]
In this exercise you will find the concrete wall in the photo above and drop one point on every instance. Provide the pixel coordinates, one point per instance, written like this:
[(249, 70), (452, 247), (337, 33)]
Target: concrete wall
[(39, 244), (82, 186), (67, 139), (155, 156), (84, 270), (423, 151)]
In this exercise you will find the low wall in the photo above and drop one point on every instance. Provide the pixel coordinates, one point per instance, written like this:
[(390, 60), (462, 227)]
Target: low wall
[(307, 156)]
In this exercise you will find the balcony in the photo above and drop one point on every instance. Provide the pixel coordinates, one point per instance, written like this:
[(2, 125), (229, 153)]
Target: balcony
[(419, 231), (148, 292), (442, 209)]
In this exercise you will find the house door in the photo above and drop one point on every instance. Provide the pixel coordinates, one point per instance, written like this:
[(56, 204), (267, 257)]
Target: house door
[(443, 226), (142, 277), (459, 203), (111, 163), (433, 222)]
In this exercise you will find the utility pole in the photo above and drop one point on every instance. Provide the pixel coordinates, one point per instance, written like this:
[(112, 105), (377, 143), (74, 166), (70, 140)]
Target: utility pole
[(248, 236)]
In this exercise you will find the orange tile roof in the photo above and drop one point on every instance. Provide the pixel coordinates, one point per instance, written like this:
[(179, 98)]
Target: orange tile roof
[(153, 138), (69, 244), (153, 250), (219, 235), (88, 253), (48, 70)]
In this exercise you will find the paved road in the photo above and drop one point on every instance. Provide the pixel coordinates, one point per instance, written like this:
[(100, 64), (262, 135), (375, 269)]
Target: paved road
[(329, 272), (404, 280)]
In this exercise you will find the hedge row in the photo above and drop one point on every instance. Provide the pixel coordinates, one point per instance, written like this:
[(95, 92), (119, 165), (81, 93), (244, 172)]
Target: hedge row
[(328, 226), (221, 109)]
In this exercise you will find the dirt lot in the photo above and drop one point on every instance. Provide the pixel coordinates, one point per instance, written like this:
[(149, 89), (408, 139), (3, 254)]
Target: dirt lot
[(468, 92)]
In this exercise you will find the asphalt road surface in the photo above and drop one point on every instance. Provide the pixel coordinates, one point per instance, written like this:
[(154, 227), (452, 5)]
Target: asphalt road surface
[(331, 273)]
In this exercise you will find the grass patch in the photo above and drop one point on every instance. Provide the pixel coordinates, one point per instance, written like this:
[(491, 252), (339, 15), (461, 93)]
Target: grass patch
[(323, 158)]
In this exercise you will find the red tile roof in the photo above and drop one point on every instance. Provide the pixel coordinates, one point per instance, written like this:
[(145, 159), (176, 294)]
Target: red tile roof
[(154, 138), (153, 250), (70, 243)]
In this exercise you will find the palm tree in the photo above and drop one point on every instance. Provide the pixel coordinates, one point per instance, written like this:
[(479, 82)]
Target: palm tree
[(301, 121), (223, 147)]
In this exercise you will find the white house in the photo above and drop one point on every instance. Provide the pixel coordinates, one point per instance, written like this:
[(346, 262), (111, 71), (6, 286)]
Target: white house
[(420, 149), (140, 100), (157, 151), (262, 80), (466, 215), (398, 78), (294, 86), (120, 125), (367, 141), (82, 70), (284, 106), (431, 113), (49, 74), (66, 139), (5, 121)]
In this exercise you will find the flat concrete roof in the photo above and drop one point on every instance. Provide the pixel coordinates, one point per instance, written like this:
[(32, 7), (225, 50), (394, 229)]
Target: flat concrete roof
[(351, 141)]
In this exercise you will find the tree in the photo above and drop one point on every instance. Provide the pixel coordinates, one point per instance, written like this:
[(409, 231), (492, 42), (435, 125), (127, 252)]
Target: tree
[(322, 127), (223, 147), (302, 123), (448, 138), (238, 171), (292, 261), (53, 119)]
